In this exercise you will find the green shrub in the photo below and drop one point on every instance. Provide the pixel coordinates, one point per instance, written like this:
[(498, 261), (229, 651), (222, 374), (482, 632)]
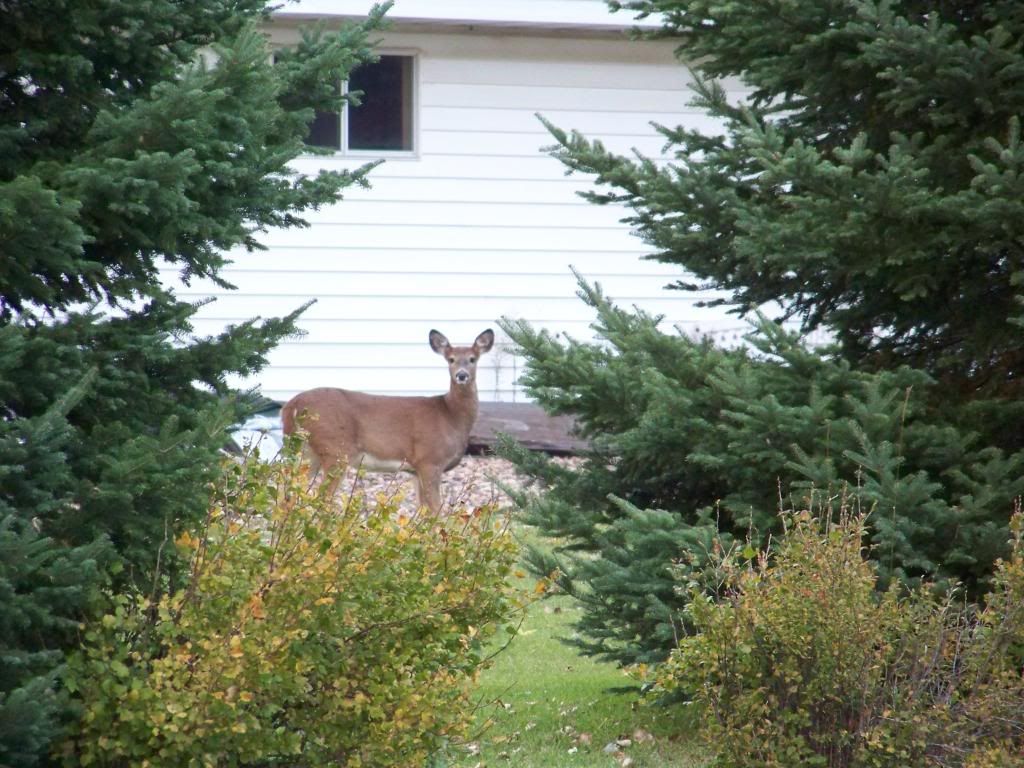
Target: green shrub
[(802, 662), (701, 438), (308, 633), (988, 706)]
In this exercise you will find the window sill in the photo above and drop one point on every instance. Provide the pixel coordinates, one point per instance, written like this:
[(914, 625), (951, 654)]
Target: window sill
[(365, 154)]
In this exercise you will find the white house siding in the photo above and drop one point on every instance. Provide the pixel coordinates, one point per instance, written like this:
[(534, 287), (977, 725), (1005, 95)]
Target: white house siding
[(478, 224)]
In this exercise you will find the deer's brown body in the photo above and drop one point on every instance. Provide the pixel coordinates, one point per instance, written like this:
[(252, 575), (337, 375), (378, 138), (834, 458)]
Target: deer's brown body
[(425, 435)]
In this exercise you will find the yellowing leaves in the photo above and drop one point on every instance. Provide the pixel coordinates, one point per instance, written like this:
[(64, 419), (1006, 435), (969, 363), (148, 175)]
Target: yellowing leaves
[(256, 607), (298, 602), (356, 701)]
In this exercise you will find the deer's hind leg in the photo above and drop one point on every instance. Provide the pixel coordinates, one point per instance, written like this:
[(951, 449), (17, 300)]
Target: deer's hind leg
[(311, 461), (327, 468)]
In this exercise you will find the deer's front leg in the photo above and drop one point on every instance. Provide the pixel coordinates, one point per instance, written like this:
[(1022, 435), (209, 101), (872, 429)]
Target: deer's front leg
[(428, 488)]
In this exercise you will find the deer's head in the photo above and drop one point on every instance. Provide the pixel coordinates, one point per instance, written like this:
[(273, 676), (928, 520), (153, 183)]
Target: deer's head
[(462, 360)]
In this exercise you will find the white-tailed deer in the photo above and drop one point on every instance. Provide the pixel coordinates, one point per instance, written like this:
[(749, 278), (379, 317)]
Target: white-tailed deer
[(424, 435)]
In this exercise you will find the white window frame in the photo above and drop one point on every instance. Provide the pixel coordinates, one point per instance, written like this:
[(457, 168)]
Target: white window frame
[(398, 154)]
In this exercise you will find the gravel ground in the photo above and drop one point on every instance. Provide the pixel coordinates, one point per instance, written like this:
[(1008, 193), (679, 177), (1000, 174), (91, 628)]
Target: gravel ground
[(473, 483)]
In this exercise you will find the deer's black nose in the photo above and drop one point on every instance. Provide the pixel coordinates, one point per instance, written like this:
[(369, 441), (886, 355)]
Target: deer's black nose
[(462, 377)]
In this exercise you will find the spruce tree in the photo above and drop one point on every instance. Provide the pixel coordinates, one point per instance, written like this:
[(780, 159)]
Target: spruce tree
[(869, 188), (870, 185), (134, 138)]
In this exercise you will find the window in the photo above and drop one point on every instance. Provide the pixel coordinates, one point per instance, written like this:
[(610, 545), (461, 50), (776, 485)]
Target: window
[(383, 121)]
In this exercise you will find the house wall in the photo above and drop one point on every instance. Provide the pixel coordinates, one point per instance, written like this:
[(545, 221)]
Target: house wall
[(478, 224)]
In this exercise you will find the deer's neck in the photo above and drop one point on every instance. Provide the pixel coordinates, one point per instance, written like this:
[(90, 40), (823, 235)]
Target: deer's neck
[(463, 404)]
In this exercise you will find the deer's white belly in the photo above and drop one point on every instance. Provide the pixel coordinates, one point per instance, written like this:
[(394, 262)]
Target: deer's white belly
[(371, 463)]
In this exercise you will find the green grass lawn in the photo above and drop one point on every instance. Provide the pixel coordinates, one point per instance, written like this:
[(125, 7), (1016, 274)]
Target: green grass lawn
[(544, 706)]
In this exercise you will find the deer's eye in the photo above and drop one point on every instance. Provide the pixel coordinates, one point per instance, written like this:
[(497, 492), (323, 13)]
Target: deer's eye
[(451, 360), (472, 359)]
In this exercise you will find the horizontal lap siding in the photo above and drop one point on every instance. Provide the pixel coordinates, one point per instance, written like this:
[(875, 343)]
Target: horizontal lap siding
[(480, 224), (416, 283), (462, 234), (493, 260), (426, 310)]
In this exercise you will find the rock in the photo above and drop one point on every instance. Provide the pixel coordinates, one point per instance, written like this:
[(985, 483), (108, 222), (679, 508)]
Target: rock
[(473, 483)]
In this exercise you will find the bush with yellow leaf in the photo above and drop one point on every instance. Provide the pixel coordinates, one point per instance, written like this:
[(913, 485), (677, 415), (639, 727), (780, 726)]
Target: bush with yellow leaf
[(309, 633), (800, 662)]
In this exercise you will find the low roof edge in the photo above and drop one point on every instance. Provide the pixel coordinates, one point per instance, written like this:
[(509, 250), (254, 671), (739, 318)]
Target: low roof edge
[(546, 17)]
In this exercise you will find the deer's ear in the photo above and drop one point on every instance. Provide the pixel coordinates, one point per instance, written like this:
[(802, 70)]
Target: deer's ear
[(484, 341), (438, 342)]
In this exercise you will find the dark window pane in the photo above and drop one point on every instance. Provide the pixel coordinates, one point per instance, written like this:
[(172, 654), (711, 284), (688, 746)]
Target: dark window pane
[(383, 121), (325, 130)]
